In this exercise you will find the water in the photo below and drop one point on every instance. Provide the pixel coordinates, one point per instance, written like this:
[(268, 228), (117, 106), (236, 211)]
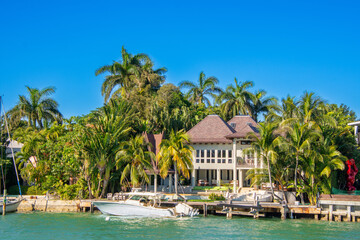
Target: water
[(94, 226)]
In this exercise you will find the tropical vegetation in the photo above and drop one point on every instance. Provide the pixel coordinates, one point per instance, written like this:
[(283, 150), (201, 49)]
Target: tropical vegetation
[(302, 140)]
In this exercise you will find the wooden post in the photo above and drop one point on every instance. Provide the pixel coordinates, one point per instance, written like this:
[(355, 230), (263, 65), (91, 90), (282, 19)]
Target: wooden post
[(92, 207), (316, 216), (229, 213), (330, 213), (349, 213), (283, 212), (4, 203), (205, 210)]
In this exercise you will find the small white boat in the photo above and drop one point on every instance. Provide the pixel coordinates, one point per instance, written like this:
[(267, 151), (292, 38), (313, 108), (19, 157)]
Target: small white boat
[(11, 205), (145, 205)]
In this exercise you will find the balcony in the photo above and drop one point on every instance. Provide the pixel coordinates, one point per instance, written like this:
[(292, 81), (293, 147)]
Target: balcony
[(246, 162)]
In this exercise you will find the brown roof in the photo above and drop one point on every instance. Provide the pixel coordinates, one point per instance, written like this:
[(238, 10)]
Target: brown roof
[(243, 126), (154, 140), (212, 129)]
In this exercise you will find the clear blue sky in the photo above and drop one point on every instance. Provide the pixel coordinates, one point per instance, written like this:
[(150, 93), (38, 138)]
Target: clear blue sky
[(285, 47)]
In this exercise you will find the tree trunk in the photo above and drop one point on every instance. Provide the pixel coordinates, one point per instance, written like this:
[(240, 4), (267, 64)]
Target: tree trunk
[(270, 180), (176, 180), (106, 181), (89, 186), (155, 183)]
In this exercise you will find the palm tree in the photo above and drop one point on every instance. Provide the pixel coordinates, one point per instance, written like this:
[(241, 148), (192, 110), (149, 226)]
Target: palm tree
[(236, 99), (299, 137), (288, 109), (259, 103), (264, 144), (130, 71), (135, 160), (175, 152), (198, 92), (38, 107), (318, 166), (109, 127)]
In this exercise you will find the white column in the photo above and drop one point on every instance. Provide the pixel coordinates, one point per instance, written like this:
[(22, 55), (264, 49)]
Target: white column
[(193, 177), (170, 183), (241, 178), (218, 177), (356, 134), (234, 165)]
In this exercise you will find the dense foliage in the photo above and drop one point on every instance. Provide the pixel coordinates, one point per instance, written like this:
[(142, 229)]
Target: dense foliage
[(304, 141)]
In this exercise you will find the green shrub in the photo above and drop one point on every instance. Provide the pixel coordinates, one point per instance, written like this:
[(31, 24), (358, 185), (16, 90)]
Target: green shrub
[(216, 197)]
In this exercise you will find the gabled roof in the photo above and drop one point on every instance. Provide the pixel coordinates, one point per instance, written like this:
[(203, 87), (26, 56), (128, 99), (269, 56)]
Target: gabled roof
[(154, 140), (244, 124), (212, 129)]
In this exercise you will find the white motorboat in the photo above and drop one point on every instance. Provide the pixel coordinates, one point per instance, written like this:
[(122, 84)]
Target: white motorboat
[(11, 205), (144, 204)]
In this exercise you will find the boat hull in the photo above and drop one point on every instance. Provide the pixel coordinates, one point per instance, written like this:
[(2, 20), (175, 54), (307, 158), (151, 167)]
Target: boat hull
[(124, 209), (10, 206)]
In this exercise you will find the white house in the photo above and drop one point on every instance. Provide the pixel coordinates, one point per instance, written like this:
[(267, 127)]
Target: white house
[(356, 130), (222, 150)]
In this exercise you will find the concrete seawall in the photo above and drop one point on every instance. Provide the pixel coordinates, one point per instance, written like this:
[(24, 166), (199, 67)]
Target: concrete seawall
[(41, 203)]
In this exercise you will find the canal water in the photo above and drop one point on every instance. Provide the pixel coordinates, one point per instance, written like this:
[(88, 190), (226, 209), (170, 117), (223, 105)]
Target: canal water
[(95, 226)]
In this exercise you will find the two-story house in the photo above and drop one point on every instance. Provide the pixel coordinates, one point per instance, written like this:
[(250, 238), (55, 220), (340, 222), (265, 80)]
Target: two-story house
[(222, 150)]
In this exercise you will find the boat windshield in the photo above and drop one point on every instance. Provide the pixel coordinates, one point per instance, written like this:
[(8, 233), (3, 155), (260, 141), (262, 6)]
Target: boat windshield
[(137, 197)]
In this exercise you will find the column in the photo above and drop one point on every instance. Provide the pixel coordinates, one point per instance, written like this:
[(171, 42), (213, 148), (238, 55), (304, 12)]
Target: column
[(170, 183), (356, 134), (193, 177), (210, 177), (241, 178), (218, 177), (234, 166)]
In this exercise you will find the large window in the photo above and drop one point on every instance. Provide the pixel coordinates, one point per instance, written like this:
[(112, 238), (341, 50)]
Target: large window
[(229, 153)]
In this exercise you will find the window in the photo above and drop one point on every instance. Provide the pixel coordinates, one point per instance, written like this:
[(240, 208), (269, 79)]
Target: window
[(207, 153), (219, 161), (224, 161), (229, 160), (197, 160), (233, 125), (197, 153), (219, 153), (212, 160), (223, 153), (202, 153), (208, 160), (212, 153), (230, 153), (202, 160)]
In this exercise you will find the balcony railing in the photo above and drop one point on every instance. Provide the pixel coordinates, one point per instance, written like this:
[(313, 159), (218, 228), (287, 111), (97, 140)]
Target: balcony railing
[(246, 162)]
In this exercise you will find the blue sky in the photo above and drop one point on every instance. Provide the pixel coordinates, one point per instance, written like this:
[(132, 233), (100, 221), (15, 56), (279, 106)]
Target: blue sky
[(285, 47)]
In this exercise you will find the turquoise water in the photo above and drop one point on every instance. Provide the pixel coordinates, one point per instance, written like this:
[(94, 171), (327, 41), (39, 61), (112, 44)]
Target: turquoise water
[(94, 226)]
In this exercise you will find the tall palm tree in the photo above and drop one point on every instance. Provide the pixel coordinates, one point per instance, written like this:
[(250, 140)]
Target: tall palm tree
[(119, 74), (175, 152), (135, 160), (264, 144), (38, 107), (130, 71), (259, 103), (198, 92), (236, 99)]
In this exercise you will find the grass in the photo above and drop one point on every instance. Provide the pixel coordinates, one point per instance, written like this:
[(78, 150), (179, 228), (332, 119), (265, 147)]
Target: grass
[(212, 188)]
